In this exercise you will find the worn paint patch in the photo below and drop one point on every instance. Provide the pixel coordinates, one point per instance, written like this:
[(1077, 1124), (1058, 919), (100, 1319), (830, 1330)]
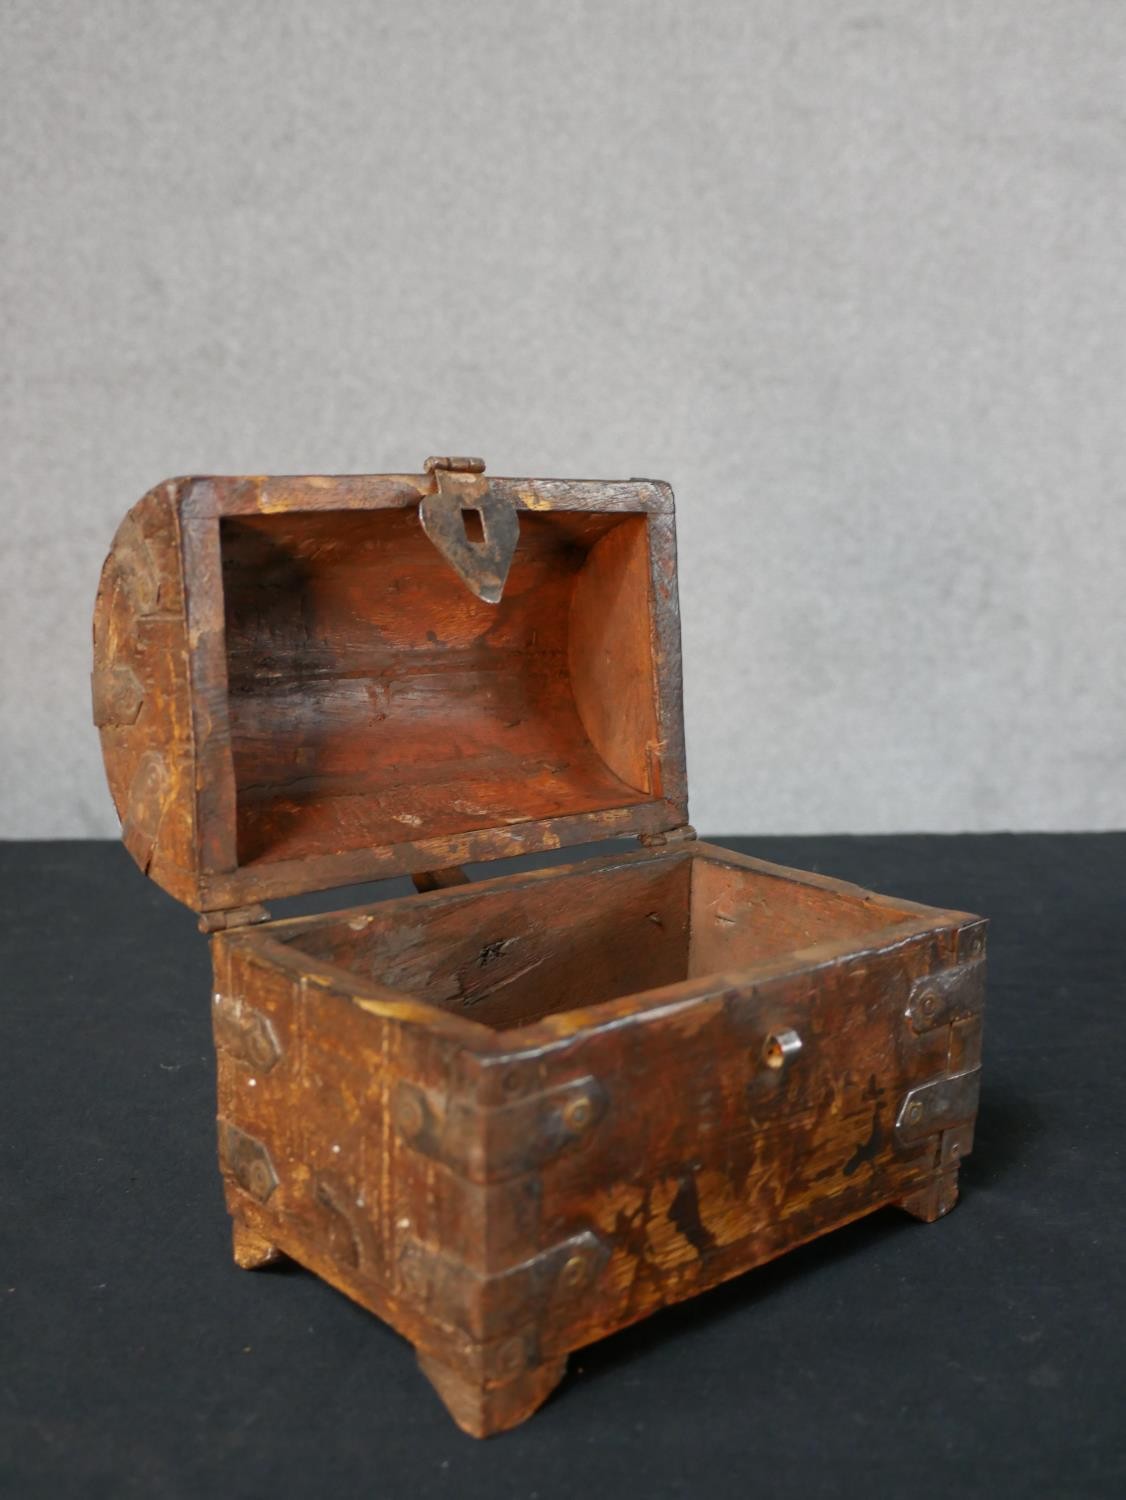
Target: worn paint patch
[(684, 1212), (866, 1151)]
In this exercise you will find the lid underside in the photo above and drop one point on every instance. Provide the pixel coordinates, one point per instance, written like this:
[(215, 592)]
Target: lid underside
[(356, 710)]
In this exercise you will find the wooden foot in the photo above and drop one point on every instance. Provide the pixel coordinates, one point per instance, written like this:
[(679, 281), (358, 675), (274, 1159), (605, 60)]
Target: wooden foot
[(252, 1249), (480, 1405), (936, 1197)]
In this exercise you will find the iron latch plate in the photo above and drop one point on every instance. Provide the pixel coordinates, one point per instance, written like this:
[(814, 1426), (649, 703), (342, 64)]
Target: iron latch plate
[(460, 485)]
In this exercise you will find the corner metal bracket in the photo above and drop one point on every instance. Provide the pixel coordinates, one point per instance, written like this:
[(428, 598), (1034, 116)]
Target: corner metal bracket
[(550, 1288), (247, 1161), (245, 1033), (460, 486), (953, 995), (937, 1105), (118, 696), (487, 1145)]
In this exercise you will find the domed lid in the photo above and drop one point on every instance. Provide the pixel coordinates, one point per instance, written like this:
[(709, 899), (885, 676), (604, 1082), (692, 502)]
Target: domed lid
[(308, 682)]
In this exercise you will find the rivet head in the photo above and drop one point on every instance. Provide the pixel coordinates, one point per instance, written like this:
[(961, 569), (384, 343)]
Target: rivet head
[(914, 1112), (574, 1272), (413, 1274), (260, 1179), (409, 1116), (578, 1113), (929, 1004)]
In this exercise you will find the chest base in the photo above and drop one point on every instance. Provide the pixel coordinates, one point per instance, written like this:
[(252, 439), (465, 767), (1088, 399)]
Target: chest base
[(512, 1117)]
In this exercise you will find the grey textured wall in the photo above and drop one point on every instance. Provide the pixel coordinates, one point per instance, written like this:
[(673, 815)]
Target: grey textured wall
[(851, 275)]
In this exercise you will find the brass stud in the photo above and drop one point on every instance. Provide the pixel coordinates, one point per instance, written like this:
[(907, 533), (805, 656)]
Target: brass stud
[(259, 1179), (409, 1116), (574, 1273), (578, 1113)]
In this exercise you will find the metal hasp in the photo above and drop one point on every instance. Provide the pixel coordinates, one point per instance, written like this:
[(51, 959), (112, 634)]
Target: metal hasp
[(460, 487)]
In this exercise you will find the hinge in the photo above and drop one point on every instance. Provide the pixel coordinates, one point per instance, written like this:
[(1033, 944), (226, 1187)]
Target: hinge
[(455, 465), (439, 880), (460, 486), (225, 918), (682, 835)]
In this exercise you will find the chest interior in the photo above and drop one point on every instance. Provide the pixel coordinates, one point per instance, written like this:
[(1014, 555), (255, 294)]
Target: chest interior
[(373, 699), (510, 951)]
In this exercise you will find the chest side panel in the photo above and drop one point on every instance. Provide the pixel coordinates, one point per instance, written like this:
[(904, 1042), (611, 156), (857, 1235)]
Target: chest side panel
[(142, 704), (733, 1128), (353, 1141)]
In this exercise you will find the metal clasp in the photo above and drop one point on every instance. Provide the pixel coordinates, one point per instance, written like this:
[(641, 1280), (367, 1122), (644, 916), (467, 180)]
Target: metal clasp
[(460, 486)]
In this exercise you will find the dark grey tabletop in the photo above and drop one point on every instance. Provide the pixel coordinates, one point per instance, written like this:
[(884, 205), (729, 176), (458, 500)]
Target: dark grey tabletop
[(983, 1355)]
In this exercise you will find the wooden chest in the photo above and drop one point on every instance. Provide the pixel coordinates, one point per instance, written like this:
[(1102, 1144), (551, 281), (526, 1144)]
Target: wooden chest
[(508, 1116)]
